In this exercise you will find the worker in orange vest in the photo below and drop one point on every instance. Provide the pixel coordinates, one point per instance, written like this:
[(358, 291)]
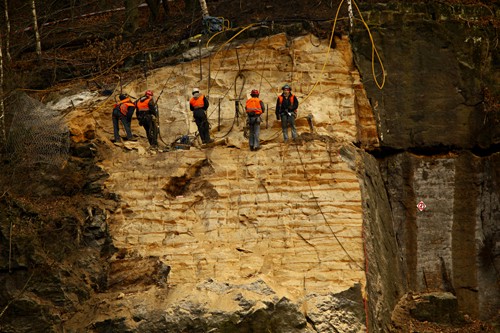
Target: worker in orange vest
[(199, 105), (254, 108), (123, 111), (146, 112), (286, 110)]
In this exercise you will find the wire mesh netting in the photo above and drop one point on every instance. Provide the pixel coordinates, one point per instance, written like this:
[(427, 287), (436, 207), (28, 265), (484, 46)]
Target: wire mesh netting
[(37, 134)]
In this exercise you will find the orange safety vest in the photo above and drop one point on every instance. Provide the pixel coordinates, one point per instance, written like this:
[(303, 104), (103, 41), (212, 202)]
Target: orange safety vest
[(280, 97), (143, 105), (253, 105), (125, 104), (197, 103)]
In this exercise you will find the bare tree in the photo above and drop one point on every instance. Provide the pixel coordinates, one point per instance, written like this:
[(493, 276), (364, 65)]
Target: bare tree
[(154, 7), (204, 8), (3, 137), (35, 29), (191, 5), (131, 16), (72, 6), (165, 7), (7, 31)]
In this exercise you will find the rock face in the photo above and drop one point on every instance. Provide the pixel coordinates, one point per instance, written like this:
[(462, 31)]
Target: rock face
[(448, 245), (437, 307), (440, 77), (290, 214), (318, 235)]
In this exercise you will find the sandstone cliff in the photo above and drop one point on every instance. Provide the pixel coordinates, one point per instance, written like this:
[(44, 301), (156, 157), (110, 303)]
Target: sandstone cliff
[(288, 217), (318, 235)]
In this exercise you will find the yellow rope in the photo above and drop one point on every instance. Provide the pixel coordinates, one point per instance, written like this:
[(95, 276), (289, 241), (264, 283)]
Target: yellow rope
[(230, 39), (224, 29), (327, 53), (210, 39), (374, 51)]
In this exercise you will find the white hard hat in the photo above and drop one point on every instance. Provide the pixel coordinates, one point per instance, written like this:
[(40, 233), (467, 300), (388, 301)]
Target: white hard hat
[(196, 90)]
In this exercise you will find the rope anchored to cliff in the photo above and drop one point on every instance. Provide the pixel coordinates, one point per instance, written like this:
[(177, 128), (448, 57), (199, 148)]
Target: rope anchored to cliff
[(321, 210), (374, 48)]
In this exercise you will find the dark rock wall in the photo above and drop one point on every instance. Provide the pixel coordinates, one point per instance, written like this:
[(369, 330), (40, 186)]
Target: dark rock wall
[(439, 132), (385, 272), (487, 241), (466, 200), (53, 250), (450, 245), (442, 67)]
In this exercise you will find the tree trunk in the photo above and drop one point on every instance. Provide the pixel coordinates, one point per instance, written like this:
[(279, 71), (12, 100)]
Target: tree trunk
[(154, 8), (191, 5), (166, 8), (204, 8), (131, 16), (38, 43), (72, 6), (3, 135), (7, 31)]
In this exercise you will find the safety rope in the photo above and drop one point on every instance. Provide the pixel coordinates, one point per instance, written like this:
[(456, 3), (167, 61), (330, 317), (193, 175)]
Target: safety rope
[(237, 96), (223, 59), (230, 39), (321, 210), (263, 65), (250, 52), (327, 52), (157, 109), (374, 49), (365, 298), (262, 76)]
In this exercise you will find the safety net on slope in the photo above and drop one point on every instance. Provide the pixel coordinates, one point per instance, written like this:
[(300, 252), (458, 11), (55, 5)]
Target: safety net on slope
[(38, 135)]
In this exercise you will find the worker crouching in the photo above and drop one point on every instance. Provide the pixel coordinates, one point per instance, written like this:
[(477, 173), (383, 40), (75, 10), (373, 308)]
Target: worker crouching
[(147, 114), (123, 112)]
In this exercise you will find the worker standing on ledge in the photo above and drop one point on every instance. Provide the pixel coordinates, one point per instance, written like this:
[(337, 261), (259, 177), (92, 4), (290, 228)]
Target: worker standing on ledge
[(286, 110), (254, 108), (199, 105)]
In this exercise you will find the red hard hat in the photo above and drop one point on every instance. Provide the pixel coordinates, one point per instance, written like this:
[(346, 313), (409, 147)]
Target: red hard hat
[(149, 93), (254, 92)]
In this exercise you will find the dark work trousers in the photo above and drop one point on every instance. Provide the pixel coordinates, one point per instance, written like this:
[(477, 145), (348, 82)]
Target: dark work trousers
[(118, 116), (254, 129), (146, 121), (288, 120), (200, 118)]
